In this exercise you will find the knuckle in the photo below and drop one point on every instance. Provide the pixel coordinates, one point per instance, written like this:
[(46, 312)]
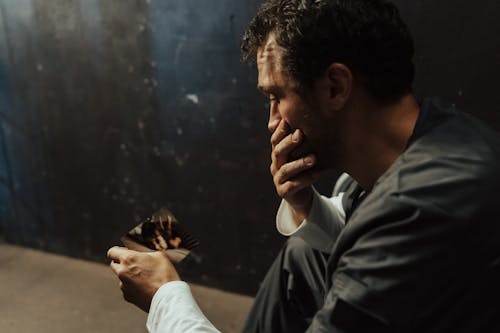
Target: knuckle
[(281, 175), (284, 172), (129, 259), (121, 274), (126, 259), (285, 190), (157, 256), (278, 150), (276, 180), (273, 155), (276, 137)]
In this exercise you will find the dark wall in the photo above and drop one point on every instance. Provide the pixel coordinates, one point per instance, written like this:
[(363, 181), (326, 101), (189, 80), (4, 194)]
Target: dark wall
[(458, 52), (111, 109)]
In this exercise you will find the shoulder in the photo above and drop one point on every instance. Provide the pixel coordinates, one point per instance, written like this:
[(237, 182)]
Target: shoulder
[(430, 213), (452, 165)]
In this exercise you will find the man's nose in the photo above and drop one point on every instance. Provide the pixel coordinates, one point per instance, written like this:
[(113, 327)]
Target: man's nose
[(274, 118)]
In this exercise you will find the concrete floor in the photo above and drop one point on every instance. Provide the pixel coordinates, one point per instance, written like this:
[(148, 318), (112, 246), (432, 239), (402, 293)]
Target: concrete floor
[(42, 292)]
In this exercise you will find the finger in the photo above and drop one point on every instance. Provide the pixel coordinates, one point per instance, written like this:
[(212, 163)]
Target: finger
[(273, 125), (289, 170), (116, 268), (300, 182), (281, 131), (173, 275), (118, 253), (280, 153), (162, 253), (273, 169)]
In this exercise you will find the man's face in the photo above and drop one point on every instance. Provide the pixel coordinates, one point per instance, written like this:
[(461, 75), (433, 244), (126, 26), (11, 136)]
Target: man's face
[(286, 104)]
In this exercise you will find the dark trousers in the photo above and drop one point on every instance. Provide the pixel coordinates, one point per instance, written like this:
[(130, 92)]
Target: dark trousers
[(292, 291)]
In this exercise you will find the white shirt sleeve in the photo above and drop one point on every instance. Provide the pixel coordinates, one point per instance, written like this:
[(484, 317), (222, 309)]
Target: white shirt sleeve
[(174, 310), (322, 226)]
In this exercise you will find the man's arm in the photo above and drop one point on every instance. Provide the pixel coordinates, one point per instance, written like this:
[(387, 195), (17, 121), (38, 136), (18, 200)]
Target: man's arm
[(397, 258), (303, 212), (173, 309), (150, 281)]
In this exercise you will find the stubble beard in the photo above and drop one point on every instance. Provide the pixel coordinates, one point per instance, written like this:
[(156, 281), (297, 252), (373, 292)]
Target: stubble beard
[(325, 140), (323, 136)]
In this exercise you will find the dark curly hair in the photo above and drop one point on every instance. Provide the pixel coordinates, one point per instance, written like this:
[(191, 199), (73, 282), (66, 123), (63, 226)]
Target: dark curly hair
[(368, 36)]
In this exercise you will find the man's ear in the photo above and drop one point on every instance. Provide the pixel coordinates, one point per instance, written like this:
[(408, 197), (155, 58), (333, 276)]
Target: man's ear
[(340, 81)]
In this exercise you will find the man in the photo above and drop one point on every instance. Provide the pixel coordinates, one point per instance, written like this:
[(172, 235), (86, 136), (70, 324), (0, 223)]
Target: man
[(411, 243)]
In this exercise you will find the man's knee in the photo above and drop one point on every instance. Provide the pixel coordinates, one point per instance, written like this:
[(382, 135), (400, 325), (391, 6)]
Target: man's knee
[(304, 278)]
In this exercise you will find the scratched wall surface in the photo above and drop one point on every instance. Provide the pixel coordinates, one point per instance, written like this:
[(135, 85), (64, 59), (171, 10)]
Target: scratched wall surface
[(111, 109)]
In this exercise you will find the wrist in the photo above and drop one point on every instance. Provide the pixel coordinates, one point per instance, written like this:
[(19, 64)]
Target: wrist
[(301, 211)]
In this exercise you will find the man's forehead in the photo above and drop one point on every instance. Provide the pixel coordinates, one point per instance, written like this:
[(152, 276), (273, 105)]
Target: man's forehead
[(269, 53), (271, 73)]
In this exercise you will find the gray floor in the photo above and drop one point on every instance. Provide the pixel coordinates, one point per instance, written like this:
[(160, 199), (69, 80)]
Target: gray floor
[(42, 292)]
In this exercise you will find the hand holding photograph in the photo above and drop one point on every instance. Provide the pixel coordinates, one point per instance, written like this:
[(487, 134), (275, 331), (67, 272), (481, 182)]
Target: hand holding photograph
[(161, 232)]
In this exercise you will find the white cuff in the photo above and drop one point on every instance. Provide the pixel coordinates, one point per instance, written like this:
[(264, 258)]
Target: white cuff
[(285, 222), (173, 309), (322, 226)]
